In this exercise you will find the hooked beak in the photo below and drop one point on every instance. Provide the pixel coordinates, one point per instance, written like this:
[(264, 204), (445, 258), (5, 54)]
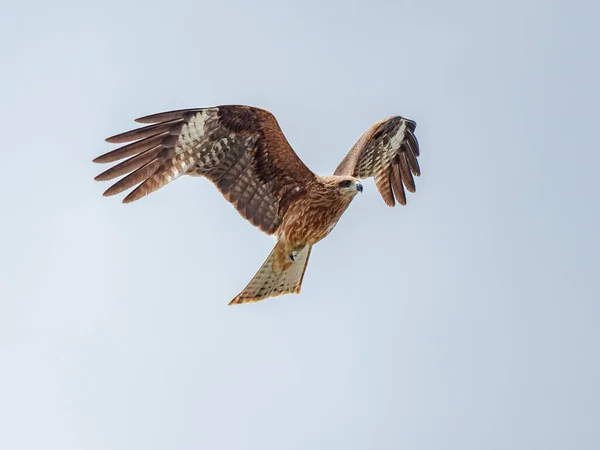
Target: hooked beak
[(359, 187)]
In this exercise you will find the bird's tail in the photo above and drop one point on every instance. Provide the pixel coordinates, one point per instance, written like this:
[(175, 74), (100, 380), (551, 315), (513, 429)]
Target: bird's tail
[(278, 275)]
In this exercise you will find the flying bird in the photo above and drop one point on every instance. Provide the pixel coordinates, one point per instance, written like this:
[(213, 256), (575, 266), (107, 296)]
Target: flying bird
[(244, 152)]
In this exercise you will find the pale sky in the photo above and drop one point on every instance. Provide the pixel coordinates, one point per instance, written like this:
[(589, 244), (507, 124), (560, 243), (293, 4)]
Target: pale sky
[(466, 320)]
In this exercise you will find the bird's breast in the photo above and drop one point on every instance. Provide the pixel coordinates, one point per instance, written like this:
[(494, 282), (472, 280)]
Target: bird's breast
[(307, 222)]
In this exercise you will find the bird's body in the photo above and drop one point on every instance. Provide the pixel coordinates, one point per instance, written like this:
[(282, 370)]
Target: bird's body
[(312, 217), (243, 151)]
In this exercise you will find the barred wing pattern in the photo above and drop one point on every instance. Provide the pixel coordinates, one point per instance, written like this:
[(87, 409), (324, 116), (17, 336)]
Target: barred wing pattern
[(241, 149), (388, 152)]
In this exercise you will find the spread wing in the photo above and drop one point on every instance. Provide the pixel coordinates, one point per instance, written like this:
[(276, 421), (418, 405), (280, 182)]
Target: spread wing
[(241, 149), (388, 152)]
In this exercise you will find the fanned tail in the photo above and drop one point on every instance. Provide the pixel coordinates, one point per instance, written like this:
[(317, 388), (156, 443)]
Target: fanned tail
[(277, 276)]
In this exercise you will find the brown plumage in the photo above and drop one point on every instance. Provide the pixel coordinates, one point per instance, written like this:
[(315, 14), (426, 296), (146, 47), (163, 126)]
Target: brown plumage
[(243, 151)]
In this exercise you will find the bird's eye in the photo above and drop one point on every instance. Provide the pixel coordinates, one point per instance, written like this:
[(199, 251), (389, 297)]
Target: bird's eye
[(345, 184)]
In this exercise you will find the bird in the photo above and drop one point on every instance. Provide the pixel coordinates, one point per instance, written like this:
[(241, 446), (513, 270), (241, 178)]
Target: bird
[(245, 154)]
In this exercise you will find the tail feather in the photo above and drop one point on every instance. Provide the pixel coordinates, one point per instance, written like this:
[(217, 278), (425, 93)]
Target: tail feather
[(274, 277)]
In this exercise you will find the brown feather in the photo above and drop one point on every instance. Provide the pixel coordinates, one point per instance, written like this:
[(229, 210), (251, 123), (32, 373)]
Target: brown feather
[(227, 182), (152, 184), (241, 196), (411, 124), (166, 116), (134, 178), (132, 149), (144, 132), (413, 163), (414, 143), (348, 164), (407, 177), (384, 187), (130, 164), (396, 182), (263, 214)]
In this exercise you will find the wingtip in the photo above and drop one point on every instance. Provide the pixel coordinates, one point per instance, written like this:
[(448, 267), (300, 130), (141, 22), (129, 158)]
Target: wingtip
[(238, 301), (127, 200), (110, 191), (411, 123), (103, 159)]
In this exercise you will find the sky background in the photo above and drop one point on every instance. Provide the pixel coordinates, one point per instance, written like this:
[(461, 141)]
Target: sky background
[(465, 320)]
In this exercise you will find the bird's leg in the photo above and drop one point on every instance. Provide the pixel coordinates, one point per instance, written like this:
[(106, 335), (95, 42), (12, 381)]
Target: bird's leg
[(294, 253)]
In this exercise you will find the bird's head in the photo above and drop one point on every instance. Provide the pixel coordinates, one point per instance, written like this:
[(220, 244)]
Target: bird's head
[(345, 185)]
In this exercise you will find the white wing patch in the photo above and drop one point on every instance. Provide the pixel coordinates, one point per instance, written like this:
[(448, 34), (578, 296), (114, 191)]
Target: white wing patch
[(191, 138), (395, 142)]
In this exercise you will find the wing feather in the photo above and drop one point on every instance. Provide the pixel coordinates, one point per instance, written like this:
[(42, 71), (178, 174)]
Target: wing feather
[(407, 177), (385, 189), (132, 149), (396, 181), (129, 165), (413, 163), (137, 176), (387, 151), (166, 116), (241, 149), (143, 132)]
